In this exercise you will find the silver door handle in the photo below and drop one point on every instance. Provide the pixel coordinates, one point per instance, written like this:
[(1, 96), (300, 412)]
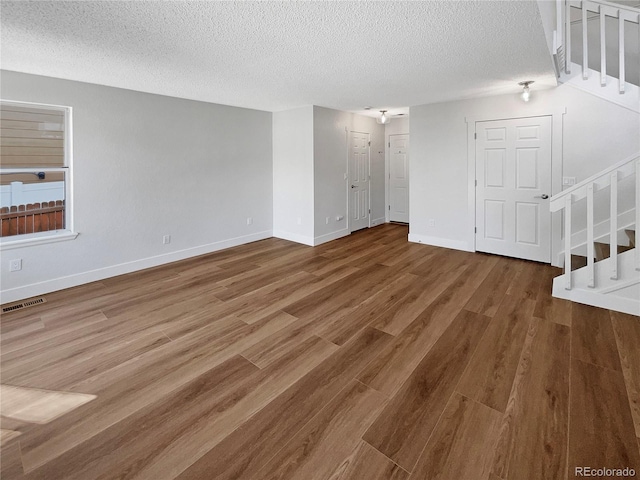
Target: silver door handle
[(354, 186), (544, 196)]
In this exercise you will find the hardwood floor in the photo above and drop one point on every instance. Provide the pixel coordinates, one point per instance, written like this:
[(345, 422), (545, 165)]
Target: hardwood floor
[(366, 358)]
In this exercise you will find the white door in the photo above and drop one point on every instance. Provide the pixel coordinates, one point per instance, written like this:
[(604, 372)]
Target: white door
[(399, 178), (359, 181), (513, 176)]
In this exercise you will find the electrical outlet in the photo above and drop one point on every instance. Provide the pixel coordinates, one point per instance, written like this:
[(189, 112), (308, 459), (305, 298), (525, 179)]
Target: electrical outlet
[(166, 239), (326, 220), (432, 222), (15, 265), (249, 220), (568, 181)]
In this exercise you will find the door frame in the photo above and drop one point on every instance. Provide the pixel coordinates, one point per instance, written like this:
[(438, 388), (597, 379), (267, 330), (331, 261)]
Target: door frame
[(349, 177), (556, 170), (388, 175)]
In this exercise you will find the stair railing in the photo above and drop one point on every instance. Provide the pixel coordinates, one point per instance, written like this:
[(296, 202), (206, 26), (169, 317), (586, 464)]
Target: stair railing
[(562, 38), (565, 200)]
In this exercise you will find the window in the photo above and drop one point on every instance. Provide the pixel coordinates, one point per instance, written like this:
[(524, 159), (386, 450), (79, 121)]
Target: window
[(35, 173)]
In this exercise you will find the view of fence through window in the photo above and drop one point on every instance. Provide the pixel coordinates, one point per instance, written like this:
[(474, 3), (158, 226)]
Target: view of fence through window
[(33, 169)]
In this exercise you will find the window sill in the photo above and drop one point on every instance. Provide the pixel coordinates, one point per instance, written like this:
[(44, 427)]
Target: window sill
[(30, 240)]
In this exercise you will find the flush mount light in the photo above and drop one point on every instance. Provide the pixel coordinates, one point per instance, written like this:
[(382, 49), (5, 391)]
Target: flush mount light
[(384, 118), (526, 93)]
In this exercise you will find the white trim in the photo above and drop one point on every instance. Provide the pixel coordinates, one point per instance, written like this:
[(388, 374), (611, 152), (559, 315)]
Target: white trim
[(61, 283), (556, 169), (378, 221), (610, 92), (331, 236), (67, 169), (620, 285), (441, 242), (40, 238), (293, 237), (595, 298)]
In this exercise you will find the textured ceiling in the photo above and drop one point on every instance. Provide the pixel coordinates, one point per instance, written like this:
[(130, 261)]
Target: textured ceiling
[(279, 55)]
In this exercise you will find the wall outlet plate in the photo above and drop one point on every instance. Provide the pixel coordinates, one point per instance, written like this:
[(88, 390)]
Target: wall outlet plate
[(166, 239), (15, 265)]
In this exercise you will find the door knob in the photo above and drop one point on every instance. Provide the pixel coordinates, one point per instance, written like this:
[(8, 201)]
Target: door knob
[(354, 186), (544, 196)]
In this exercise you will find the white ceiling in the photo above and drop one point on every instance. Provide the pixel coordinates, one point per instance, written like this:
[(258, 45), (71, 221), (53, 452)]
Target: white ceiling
[(279, 55)]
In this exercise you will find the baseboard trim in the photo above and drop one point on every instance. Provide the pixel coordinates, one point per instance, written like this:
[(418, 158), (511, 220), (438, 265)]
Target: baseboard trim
[(330, 236), (378, 221), (440, 242), (294, 237), (48, 286), (595, 298)]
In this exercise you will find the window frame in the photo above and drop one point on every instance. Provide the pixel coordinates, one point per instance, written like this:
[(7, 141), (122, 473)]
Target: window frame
[(51, 236)]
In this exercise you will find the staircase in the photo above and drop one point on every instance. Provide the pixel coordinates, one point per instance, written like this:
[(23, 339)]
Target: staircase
[(596, 48), (611, 277), (606, 61)]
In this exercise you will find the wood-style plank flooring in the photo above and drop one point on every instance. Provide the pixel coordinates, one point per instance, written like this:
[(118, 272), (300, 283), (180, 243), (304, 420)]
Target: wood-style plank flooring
[(366, 358)]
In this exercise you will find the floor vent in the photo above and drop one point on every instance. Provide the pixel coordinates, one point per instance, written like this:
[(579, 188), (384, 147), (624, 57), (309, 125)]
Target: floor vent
[(24, 304)]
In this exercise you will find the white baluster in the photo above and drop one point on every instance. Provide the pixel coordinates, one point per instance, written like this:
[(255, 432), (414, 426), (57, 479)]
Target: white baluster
[(637, 212), (613, 234), (603, 49), (585, 44), (567, 241), (590, 240), (621, 48), (560, 21), (567, 39)]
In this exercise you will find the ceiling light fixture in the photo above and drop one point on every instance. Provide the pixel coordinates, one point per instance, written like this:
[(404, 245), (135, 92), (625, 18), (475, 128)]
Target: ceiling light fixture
[(526, 92), (384, 118)]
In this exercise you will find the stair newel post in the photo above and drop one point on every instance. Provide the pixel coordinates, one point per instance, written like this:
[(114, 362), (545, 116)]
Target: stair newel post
[(567, 241), (621, 49), (585, 44), (590, 240), (637, 212), (567, 38), (613, 234), (603, 49)]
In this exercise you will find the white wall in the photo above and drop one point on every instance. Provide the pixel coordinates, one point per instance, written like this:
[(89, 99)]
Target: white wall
[(331, 136), (311, 153), (596, 134), (293, 184), (398, 126), (146, 166), (330, 153)]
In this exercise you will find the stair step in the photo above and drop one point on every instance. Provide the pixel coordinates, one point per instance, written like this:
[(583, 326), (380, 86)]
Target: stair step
[(578, 261), (632, 237), (603, 250)]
